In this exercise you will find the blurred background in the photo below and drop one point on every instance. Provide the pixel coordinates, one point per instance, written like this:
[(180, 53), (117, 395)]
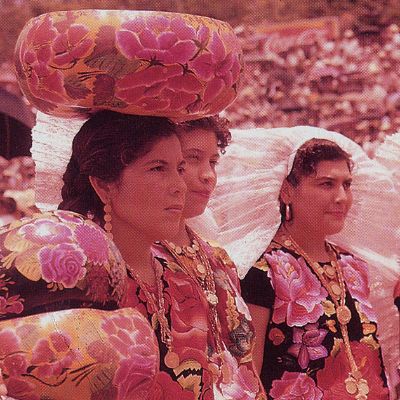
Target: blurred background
[(329, 63)]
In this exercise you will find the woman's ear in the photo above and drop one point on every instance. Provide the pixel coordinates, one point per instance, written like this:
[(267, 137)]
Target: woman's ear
[(101, 188), (286, 193)]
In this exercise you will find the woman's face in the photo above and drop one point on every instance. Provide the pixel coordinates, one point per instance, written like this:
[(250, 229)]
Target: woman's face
[(321, 201), (200, 151), (150, 195)]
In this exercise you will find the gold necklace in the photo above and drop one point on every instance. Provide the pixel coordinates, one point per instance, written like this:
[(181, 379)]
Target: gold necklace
[(157, 303), (355, 384), (202, 274)]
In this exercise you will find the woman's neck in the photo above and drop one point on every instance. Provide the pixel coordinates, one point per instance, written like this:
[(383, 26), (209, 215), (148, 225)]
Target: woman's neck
[(182, 238), (135, 249), (311, 242)]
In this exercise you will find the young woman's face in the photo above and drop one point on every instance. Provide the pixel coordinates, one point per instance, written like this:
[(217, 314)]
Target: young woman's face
[(321, 201), (200, 151), (150, 195)]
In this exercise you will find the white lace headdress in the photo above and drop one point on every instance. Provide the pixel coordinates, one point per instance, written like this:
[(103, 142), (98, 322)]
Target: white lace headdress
[(245, 205), (51, 150)]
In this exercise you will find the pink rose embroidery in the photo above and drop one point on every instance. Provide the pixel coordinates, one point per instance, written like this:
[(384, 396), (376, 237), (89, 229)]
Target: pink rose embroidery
[(355, 273), (294, 385), (93, 242), (62, 264), (298, 292), (241, 383), (46, 231), (307, 344)]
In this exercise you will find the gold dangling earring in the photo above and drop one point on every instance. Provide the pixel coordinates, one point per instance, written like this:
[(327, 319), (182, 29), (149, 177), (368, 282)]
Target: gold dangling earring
[(288, 213), (107, 219)]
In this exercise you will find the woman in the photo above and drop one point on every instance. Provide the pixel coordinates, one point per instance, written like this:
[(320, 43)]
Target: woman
[(205, 333), (315, 329), (61, 261)]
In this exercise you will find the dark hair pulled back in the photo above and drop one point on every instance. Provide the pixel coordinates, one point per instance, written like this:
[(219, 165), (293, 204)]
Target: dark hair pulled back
[(215, 123), (307, 158), (103, 147)]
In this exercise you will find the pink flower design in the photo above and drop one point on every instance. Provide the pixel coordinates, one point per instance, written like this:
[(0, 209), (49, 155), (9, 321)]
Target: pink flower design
[(92, 240), (294, 385), (53, 357), (238, 382), (355, 273), (139, 39), (62, 264), (218, 68), (307, 344), (336, 370), (10, 342), (71, 45), (298, 291), (133, 338), (20, 389), (15, 364), (46, 231), (11, 305)]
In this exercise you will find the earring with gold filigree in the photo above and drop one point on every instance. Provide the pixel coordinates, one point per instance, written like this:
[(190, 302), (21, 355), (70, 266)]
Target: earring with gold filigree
[(107, 219)]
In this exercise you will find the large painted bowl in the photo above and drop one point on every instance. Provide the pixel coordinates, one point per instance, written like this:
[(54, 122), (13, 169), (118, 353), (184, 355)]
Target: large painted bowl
[(180, 66)]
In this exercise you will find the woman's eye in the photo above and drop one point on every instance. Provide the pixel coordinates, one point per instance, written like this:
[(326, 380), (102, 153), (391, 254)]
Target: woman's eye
[(347, 185), (327, 184), (194, 157), (158, 168), (214, 162)]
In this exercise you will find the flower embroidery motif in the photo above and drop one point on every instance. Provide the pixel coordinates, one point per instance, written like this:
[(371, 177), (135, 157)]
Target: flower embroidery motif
[(331, 378), (294, 385), (355, 273), (308, 344), (63, 264), (298, 291)]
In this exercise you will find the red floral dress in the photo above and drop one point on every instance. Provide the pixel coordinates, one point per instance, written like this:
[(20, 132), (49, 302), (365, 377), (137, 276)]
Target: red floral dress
[(304, 353), (202, 373)]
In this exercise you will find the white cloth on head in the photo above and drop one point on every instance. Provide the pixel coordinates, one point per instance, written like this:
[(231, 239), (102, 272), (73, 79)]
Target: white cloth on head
[(388, 154), (245, 204), (51, 150)]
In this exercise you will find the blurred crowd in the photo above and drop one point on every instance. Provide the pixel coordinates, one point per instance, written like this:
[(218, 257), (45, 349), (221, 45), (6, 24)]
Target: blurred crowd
[(347, 84), (16, 188)]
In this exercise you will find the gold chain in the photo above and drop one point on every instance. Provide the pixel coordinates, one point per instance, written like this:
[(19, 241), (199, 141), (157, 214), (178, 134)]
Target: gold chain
[(354, 384), (204, 277)]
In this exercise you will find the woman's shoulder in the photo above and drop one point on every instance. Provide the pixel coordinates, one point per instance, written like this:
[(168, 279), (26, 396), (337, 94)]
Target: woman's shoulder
[(59, 255)]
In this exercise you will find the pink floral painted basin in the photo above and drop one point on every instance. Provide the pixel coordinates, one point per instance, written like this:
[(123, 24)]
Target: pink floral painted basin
[(136, 62)]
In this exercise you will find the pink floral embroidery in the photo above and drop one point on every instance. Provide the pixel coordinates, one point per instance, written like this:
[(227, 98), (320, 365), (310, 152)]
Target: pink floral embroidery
[(331, 378), (62, 264), (10, 343), (298, 292), (307, 344), (241, 383), (134, 340), (52, 357), (294, 385), (217, 67), (355, 273), (92, 241), (71, 45), (11, 305), (46, 231)]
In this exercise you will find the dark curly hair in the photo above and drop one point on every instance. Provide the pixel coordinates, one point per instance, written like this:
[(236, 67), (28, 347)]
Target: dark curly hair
[(307, 158), (103, 147), (215, 123)]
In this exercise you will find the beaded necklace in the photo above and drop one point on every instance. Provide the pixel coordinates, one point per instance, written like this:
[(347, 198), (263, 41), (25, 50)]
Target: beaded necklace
[(203, 276), (355, 384)]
